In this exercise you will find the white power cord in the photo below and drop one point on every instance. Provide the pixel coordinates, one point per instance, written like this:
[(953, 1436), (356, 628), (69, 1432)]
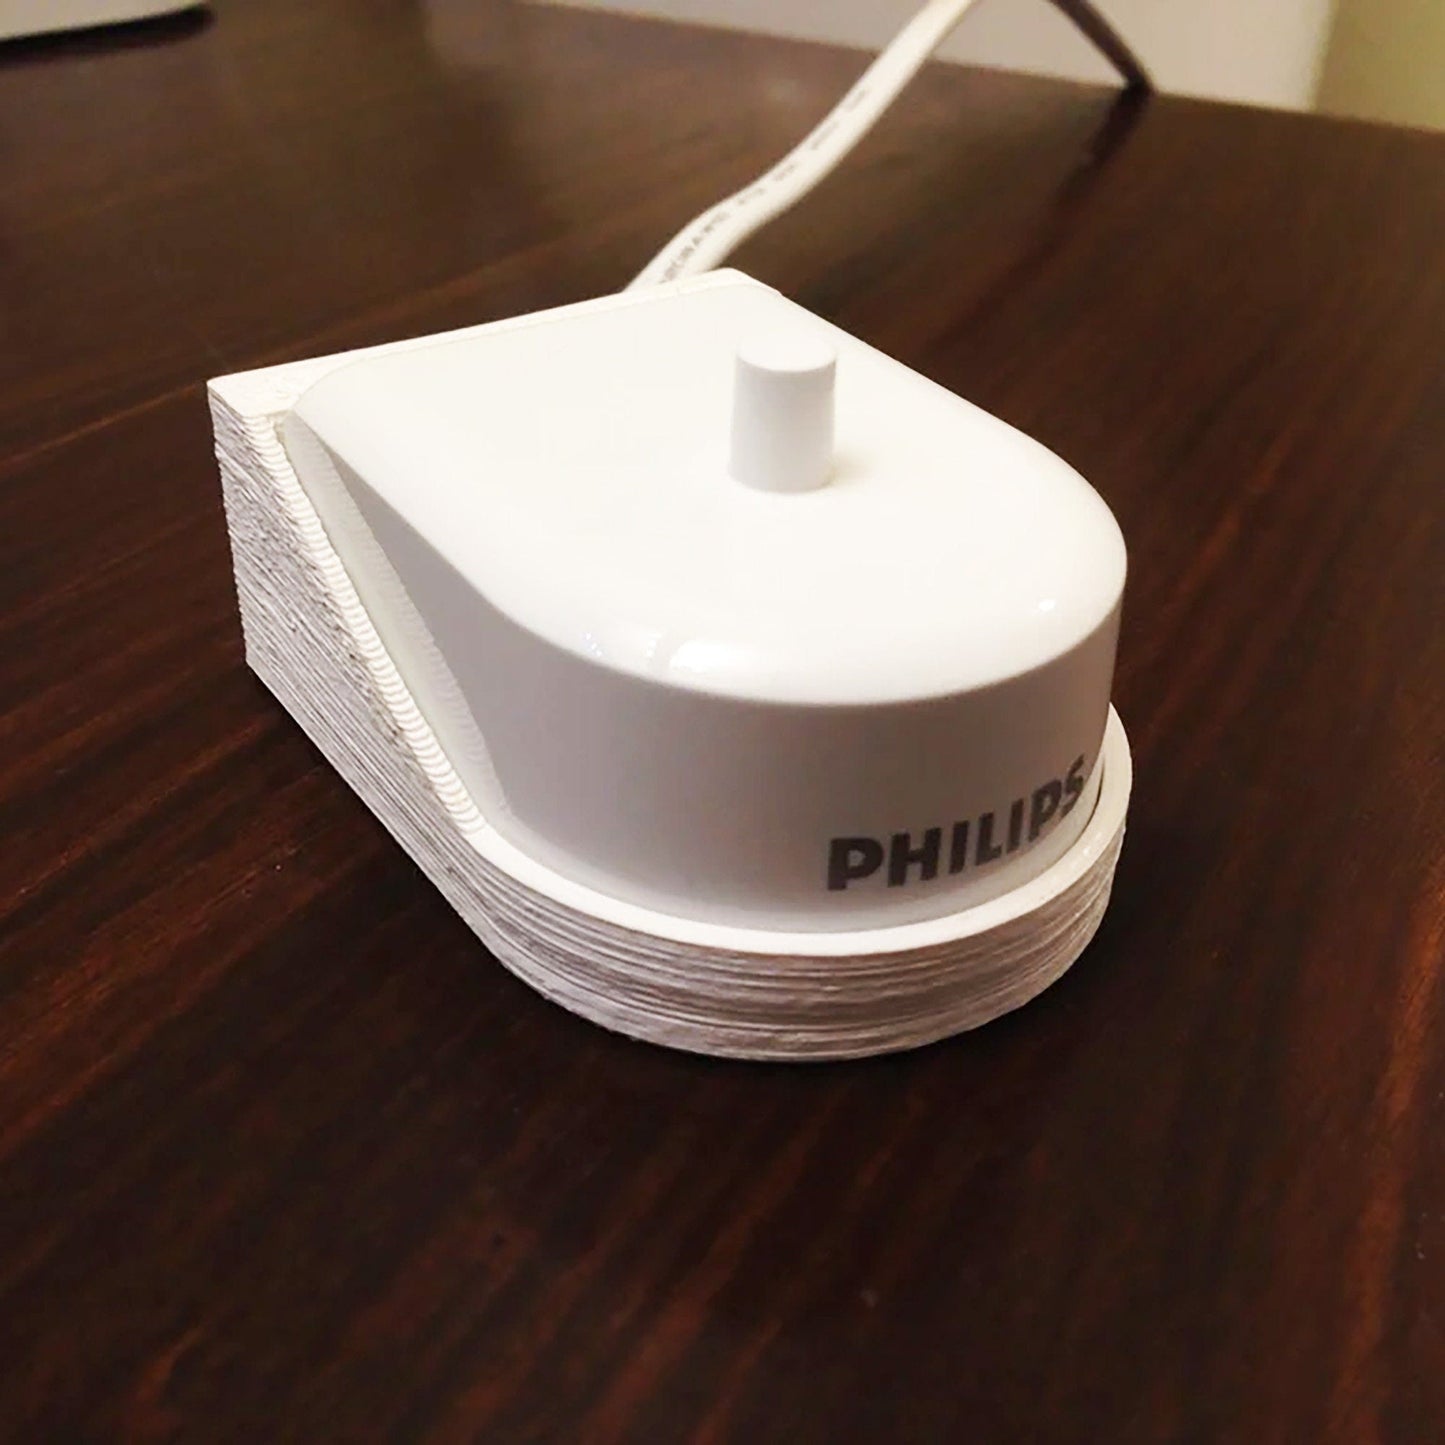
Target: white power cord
[(709, 238)]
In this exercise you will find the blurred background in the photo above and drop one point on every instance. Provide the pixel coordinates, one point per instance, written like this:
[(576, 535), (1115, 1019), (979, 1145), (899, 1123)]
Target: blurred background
[(1377, 59), (1373, 59)]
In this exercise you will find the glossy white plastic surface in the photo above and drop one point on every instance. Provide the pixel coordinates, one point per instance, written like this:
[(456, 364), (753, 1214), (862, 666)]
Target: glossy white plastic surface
[(878, 700)]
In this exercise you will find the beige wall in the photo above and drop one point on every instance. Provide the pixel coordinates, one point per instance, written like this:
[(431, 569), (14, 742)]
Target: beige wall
[(1264, 51), (1386, 61)]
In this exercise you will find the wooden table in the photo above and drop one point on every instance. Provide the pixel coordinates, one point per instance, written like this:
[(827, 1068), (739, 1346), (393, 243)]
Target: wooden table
[(285, 1156)]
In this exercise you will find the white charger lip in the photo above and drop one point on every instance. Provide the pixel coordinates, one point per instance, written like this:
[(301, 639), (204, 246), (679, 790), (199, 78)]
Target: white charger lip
[(1094, 844)]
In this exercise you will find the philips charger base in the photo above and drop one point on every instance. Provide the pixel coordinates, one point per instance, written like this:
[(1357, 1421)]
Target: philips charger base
[(703, 987)]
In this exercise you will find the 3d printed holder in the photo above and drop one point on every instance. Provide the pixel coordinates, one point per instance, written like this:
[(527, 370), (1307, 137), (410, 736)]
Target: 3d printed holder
[(709, 987)]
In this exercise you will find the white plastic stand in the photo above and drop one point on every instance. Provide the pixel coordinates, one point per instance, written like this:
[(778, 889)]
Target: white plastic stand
[(704, 987)]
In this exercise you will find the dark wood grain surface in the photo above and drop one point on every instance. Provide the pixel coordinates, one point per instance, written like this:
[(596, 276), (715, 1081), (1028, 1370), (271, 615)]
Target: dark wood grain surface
[(284, 1155)]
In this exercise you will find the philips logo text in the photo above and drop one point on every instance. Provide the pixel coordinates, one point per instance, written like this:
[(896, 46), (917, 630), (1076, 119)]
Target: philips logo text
[(971, 842)]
